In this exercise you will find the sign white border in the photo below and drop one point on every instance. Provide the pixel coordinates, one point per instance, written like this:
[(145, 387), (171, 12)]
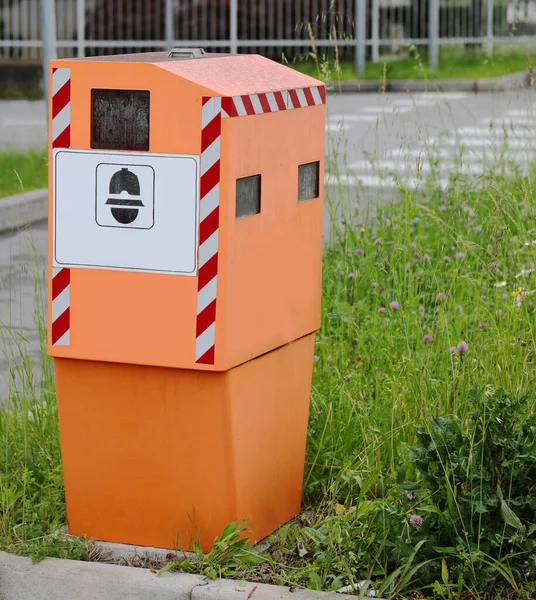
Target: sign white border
[(126, 160)]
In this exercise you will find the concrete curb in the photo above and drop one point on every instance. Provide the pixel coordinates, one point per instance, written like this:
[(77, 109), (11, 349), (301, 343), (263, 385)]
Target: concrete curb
[(496, 84), (21, 210), (55, 579)]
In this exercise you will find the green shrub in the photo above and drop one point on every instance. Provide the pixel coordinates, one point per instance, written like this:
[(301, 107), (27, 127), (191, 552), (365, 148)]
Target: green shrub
[(477, 490)]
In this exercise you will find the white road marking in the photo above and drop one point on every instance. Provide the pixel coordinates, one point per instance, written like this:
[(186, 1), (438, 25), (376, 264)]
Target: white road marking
[(470, 151), (460, 153), (394, 109), (498, 130), (338, 127), (516, 122), (487, 143), (423, 167), (520, 112), (376, 181), (443, 95), (355, 118)]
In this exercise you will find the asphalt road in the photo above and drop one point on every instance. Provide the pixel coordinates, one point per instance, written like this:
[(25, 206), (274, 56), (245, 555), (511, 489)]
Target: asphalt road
[(385, 140), (374, 143)]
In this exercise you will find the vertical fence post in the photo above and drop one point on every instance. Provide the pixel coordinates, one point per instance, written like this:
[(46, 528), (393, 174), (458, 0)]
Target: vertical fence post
[(360, 35), (80, 28), (375, 30), (433, 34), (48, 35), (170, 30), (489, 16), (234, 26)]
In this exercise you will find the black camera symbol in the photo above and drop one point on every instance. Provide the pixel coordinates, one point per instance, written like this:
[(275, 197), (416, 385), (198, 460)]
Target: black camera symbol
[(125, 210)]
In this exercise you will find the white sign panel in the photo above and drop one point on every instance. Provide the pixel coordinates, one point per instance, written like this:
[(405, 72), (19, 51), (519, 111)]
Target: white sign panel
[(126, 211)]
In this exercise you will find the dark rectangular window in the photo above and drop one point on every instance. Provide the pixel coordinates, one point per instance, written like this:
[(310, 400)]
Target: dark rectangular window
[(308, 181), (120, 120), (248, 196)]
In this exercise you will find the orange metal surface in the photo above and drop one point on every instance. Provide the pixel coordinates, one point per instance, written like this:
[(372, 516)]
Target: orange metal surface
[(269, 274), (155, 456), (271, 263), (236, 75)]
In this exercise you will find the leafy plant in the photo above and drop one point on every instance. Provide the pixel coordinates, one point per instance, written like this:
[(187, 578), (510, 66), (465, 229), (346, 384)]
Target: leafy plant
[(478, 476), (230, 555)]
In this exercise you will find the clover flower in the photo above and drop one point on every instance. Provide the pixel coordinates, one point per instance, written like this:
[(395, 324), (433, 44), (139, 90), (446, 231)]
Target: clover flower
[(462, 347), (415, 521)]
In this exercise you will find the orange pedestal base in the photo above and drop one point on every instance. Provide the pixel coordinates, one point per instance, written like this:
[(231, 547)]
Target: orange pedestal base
[(161, 457)]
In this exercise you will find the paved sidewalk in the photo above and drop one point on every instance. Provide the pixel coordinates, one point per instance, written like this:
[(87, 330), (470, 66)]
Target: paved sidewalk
[(54, 579)]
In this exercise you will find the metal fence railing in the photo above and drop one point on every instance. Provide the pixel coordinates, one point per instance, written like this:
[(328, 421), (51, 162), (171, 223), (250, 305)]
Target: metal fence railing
[(272, 27)]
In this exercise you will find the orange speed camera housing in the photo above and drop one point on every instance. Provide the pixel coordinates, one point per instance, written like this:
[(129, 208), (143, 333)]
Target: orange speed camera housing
[(185, 262)]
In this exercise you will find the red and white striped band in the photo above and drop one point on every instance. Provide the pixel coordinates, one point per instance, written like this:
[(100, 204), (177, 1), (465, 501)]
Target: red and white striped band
[(61, 108), (214, 109), (209, 221), (61, 306), (61, 138), (258, 104)]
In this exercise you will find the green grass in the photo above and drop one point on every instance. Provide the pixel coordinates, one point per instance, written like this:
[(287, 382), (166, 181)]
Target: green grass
[(453, 64), (402, 286), (21, 172), (32, 503)]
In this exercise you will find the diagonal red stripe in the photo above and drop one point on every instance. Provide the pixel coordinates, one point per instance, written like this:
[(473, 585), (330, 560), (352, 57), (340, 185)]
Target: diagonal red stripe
[(264, 103), (211, 132), (60, 281), (64, 139), (206, 99), (210, 179), (209, 225), (54, 69), (228, 106), (294, 98), (248, 105), (61, 98), (61, 325), (207, 272), (309, 97), (322, 91), (205, 318), (280, 101), (208, 358)]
